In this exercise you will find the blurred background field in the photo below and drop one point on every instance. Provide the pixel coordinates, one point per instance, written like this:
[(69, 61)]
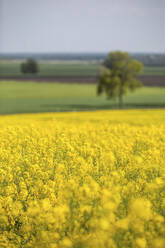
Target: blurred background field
[(31, 97), (74, 64), (65, 68), (68, 82)]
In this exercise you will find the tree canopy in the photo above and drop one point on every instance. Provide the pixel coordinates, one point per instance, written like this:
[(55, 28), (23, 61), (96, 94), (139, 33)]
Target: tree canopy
[(30, 66), (118, 75)]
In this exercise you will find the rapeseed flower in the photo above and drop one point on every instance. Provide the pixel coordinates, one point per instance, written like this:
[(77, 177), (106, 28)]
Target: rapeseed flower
[(83, 180)]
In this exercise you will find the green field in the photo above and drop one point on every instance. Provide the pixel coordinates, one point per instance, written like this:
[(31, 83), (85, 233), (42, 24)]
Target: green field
[(68, 69), (24, 97), (53, 69)]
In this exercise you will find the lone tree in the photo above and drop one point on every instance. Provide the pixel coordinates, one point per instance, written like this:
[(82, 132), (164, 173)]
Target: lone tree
[(30, 66), (119, 75)]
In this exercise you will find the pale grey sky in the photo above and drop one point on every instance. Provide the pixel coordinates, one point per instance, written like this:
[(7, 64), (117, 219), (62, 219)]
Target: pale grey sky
[(82, 25)]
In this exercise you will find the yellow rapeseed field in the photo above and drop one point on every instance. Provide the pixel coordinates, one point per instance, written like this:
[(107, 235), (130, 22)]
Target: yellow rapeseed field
[(83, 180)]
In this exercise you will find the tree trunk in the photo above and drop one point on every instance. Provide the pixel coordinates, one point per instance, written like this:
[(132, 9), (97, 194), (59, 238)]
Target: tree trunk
[(121, 101)]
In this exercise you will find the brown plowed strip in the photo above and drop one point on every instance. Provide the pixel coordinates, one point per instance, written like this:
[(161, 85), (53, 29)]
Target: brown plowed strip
[(147, 80)]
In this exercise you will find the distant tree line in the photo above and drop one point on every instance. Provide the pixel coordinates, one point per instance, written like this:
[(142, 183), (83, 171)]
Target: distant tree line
[(150, 59)]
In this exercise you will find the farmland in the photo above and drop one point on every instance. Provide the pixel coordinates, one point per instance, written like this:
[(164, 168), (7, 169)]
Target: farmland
[(64, 68), (82, 124), (32, 97), (81, 71), (51, 68), (84, 180), (80, 179)]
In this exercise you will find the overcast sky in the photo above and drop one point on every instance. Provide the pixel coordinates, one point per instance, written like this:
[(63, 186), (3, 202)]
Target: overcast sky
[(82, 25)]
